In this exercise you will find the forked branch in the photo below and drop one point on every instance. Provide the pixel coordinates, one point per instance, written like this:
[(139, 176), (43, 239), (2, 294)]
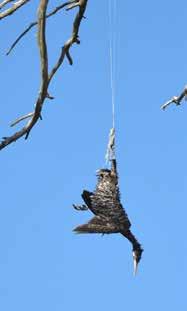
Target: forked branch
[(53, 12), (45, 76)]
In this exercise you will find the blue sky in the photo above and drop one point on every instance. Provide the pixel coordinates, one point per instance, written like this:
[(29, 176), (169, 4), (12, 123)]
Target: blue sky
[(43, 264)]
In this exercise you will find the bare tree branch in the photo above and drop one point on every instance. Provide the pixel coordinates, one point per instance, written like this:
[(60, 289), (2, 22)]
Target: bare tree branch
[(73, 5), (43, 63), (5, 2), (45, 77), (17, 5), (58, 8), (74, 39), (175, 99)]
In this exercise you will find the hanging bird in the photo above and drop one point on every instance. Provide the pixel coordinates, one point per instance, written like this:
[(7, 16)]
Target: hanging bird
[(110, 216)]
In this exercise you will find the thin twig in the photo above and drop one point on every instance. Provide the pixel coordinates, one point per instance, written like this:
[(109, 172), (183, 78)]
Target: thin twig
[(58, 8), (175, 99), (16, 5), (29, 115)]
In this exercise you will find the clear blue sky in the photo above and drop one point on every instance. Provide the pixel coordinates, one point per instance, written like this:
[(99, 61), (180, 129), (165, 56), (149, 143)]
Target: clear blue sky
[(43, 264)]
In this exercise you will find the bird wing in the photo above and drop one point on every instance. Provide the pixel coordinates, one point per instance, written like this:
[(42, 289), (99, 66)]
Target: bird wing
[(97, 224)]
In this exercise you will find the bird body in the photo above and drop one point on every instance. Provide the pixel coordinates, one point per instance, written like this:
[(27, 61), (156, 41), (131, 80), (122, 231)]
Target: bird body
[(105, 204)]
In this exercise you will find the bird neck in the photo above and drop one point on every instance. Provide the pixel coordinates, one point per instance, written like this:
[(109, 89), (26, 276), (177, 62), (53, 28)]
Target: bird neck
[(136, 245)]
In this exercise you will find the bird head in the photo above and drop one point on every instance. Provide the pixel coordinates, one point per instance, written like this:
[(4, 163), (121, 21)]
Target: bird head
[(137, 254)]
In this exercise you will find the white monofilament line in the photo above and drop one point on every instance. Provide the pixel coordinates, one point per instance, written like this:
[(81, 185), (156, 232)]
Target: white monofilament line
[(112, 12)]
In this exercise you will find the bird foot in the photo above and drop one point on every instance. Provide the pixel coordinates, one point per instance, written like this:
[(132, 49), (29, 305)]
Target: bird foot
[(80, 207)]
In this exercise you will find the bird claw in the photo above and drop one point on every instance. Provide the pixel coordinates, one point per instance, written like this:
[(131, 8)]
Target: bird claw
[(80, 207)]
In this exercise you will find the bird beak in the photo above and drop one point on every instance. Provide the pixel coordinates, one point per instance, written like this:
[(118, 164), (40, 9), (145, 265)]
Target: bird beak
[(135, 263)]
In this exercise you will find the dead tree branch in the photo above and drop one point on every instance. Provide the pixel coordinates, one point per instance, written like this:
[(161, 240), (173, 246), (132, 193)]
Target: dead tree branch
[(74, 39), (175, 99), (58, 8), (45, 77), (16, 5), (5, 2)]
